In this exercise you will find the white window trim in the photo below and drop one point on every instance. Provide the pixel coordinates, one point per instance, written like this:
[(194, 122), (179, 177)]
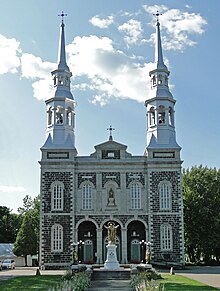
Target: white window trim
[(166, 237), (57, 242), (58, 205), (135, 197), (165, 196), (87, 197)]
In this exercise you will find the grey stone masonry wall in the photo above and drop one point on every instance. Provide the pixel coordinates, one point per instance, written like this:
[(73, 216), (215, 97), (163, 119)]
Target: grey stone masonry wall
[(47, 179), (56, 260), (172, 217), (49, 217)]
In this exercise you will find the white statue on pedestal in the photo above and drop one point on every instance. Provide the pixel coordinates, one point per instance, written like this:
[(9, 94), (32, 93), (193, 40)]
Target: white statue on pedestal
[(111, 262)]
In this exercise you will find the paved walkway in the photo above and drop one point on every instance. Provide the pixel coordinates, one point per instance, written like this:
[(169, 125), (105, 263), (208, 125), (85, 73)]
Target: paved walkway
[(109, 285), (207, 275)]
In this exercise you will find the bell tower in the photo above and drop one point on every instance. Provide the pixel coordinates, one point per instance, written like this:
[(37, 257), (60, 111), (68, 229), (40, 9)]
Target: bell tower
[(60, 132), (160, 104)]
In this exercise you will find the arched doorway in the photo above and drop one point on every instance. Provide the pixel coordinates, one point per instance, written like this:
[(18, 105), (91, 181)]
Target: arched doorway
[(135, 235), (87, 247)]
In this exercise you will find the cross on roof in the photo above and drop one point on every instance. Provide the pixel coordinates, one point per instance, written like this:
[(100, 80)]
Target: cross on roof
[(62, 15), (110, 132), (157, 15)]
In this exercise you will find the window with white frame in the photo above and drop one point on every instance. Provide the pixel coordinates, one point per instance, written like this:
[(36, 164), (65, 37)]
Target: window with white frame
[(57, 196), (135, 196), (57, 238), (165, 196), (166, 237), (87, 196)]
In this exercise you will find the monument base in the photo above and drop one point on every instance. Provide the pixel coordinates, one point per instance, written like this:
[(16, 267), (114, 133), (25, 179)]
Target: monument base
[(111, 262)]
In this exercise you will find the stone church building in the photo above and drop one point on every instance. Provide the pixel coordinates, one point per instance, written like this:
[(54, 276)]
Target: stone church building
[(141, 194)]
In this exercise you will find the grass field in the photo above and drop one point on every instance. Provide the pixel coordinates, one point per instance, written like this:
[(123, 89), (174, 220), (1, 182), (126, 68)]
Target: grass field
[(180, 283), (43, 283)]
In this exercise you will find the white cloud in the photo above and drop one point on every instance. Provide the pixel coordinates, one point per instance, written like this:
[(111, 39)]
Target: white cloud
[(34, 68), (110, 72), (133, 31), (101, 22), (177, 26), (11, 189), (9, 51)]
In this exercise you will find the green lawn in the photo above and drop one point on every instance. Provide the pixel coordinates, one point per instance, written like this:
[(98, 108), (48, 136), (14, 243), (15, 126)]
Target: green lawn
[(180, 283), (29, 283), (43, 283)]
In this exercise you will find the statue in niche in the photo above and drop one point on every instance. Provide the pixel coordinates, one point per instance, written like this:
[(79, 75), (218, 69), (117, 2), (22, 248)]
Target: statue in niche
[(112, 229), (111, 198)]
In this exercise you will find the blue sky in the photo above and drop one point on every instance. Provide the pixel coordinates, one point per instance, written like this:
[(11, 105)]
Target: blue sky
[(110, 51)]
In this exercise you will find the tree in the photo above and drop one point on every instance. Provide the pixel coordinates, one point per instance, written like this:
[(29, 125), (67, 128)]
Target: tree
[(9, 225), (26, 242), (201, 197)]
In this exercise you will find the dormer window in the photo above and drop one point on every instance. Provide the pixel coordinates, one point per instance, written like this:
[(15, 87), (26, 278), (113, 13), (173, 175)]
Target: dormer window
[(111, 155)]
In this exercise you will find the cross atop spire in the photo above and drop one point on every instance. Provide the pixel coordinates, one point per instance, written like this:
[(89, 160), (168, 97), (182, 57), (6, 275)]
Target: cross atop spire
[(110, 132), (157, 15), (62, 15)]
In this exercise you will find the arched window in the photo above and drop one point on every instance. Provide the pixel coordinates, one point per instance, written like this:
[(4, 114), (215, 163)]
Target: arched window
[(161, 115), (166, 239), (152, 116), (69, 116), (57, 238), (57, 189), (165, 196), (171, 117), (87, 196), (135, 196), (49, 116), (59, 115)]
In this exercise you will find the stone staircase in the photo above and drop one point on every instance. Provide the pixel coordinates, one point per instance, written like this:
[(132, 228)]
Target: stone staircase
[(101, 274)]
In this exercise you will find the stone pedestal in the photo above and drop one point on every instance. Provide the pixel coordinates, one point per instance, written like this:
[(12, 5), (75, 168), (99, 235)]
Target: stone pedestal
[(111, 262)]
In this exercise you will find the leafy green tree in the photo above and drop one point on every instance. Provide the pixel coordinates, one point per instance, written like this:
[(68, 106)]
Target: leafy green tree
[(9, 225), (201, 196), (26, 242)]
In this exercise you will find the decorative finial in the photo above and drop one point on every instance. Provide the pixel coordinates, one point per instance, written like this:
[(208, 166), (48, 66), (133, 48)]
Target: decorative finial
[(157, 16), (110, 132), (62, 15)]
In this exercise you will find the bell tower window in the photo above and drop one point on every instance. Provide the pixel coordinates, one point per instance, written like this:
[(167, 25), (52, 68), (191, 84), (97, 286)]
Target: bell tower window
[(49, 116), (59, 115), (69, 117), (161, 115), (171, 117), (152, 116)]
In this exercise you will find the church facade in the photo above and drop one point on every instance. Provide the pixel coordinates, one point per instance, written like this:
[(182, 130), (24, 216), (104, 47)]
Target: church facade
[(141, 195)]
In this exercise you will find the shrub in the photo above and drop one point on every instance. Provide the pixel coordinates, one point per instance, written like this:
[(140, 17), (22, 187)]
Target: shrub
[(145, 281), (78, 282)]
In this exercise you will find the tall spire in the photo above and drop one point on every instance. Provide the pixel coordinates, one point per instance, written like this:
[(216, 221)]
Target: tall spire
[(158, 46), (60, 133), (62, 52), (160, 103)]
